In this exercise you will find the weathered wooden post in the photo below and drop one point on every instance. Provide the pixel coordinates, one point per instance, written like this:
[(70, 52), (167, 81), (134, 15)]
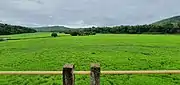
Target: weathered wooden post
[(95, 74), (68, 75)]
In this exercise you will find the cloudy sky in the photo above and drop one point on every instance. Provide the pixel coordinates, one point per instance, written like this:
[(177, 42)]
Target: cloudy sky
[(80, 13)]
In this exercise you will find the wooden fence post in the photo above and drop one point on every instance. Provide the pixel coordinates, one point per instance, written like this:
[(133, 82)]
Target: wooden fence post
[(95, 74), (68, 75)]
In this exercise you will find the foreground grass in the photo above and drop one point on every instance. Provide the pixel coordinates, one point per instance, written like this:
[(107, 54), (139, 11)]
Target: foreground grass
[(113, 52)]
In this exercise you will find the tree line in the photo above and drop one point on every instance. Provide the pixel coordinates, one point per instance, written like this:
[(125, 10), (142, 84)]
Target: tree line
[(167, 28), (6, 29)]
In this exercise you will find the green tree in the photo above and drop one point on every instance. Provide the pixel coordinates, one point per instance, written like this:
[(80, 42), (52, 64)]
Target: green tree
[(54, 34)]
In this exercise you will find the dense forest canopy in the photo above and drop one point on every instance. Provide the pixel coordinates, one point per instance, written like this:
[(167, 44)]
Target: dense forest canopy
[(168, 28), (6, 29)]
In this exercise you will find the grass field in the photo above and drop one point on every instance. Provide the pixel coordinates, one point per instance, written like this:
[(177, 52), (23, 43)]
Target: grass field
[(39, 52)]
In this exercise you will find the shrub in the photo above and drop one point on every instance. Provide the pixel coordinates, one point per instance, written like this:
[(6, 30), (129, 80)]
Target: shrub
[(54, 34), (74, 34)]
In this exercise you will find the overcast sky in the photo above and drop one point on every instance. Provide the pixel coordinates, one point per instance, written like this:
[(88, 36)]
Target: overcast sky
[(80, 13)]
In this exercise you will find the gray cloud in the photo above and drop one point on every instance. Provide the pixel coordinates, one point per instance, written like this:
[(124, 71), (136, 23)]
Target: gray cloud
[(81, 13)]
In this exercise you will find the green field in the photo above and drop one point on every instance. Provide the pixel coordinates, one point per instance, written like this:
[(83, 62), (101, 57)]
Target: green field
[(39, 52)]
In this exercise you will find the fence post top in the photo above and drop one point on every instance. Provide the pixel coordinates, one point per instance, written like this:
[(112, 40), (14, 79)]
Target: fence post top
[(68, 66), (96, 65)]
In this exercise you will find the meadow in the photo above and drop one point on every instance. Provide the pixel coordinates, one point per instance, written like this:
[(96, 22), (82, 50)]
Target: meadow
[(39, 52)]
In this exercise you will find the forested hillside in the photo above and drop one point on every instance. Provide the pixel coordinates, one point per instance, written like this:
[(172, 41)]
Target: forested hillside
[(174, 20), (6, 29)]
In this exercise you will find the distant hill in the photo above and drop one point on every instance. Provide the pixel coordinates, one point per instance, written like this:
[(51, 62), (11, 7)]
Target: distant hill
[(52, 29), (173, 20)]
